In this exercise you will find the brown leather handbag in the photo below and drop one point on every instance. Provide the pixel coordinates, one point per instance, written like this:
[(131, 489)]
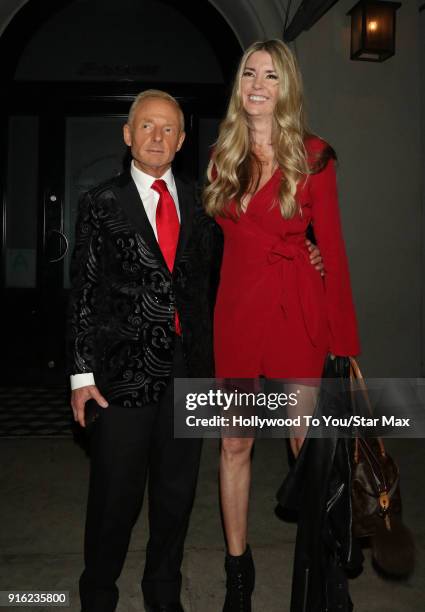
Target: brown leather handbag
[(376, 498)]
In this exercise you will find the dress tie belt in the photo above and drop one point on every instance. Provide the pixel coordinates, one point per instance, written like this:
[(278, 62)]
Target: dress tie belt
[(282, 252)]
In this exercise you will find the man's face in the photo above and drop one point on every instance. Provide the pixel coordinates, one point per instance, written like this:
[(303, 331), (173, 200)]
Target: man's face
[(154, 135)]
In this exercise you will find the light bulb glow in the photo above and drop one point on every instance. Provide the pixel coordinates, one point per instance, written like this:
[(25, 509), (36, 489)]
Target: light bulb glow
[(372, 26)]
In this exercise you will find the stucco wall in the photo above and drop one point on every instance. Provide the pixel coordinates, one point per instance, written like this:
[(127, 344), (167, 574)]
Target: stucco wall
[(370, 112)]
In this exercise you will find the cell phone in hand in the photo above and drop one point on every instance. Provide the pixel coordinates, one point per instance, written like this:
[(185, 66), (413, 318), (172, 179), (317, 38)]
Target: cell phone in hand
[(91, 413)]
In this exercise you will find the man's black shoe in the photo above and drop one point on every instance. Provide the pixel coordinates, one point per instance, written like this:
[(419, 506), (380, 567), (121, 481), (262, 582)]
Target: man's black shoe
[(166, 607)]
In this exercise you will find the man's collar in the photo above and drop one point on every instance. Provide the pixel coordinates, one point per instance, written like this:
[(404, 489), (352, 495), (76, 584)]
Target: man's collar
[(144, 181)]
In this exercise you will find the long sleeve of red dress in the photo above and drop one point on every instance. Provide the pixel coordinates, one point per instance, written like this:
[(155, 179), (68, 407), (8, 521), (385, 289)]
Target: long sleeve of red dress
[(343, 335)]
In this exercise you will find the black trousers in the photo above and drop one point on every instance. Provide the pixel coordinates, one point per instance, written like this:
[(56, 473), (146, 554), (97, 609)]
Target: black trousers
[(129, 446)]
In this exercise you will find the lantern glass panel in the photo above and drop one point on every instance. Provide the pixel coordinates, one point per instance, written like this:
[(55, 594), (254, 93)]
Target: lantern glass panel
[(379, 34)]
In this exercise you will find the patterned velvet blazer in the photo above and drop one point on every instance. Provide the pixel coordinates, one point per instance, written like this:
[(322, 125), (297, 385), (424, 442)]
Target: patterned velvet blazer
[(123, 297)]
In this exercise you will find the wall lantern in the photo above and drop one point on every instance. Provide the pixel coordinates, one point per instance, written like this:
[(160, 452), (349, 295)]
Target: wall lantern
[(373, 30)]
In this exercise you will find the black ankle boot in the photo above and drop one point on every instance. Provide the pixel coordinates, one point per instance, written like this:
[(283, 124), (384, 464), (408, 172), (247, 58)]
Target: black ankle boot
[(240, 581)]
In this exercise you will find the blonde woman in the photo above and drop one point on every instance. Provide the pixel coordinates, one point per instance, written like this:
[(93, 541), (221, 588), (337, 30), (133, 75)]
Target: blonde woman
[(276, 316)]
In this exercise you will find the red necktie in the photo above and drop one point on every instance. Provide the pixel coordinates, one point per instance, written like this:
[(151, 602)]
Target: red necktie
[(167, 228)]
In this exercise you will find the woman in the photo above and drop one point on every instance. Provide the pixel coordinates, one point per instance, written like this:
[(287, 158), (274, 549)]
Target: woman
[(275, 316)]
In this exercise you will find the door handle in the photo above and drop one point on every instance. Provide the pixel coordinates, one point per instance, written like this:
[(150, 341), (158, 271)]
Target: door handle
[(64, 241)]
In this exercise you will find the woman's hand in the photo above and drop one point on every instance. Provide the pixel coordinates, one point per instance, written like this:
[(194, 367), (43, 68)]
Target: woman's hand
[(315, 257)]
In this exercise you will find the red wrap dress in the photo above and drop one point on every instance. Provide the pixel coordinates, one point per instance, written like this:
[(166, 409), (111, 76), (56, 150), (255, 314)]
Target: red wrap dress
[(275, 315)]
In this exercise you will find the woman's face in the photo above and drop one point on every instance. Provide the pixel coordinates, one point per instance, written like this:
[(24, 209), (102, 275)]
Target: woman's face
[(259, 85)]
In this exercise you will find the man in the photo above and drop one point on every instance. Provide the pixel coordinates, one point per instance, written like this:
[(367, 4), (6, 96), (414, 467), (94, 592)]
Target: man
[(144, 273)]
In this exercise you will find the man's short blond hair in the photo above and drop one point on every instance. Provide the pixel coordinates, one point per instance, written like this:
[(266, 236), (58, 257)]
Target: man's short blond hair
[(154, 93)]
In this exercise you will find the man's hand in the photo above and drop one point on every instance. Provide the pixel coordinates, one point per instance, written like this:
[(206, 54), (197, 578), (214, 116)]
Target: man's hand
[(315, 257), (79, 398)]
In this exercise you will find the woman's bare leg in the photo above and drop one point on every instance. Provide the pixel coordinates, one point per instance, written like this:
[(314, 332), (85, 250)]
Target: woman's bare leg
[(235, 481), (306, 406)]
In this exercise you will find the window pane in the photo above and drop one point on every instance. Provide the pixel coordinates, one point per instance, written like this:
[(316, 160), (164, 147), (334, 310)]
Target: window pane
[(21, 206)]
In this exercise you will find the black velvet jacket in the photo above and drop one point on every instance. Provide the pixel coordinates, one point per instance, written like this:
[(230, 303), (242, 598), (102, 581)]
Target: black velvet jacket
[(123, 297)]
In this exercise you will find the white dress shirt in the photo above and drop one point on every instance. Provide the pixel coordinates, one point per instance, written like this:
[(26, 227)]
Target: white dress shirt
[(149, 199), (149, 196)]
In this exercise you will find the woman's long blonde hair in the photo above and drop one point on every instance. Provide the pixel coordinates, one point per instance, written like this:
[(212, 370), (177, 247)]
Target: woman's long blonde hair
[(230, 171)]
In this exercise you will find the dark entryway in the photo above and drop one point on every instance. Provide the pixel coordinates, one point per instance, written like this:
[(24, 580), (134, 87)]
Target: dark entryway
[(61, 137)]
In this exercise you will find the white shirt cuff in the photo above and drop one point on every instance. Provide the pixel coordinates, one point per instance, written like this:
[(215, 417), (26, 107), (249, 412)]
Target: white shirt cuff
[(81, 380)]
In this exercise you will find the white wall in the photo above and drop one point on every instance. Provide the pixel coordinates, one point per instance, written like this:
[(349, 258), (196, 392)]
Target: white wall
[(370, 112), (253, 20)]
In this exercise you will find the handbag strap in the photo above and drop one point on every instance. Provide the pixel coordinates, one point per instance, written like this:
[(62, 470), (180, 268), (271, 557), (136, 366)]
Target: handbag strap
[(357, 377)]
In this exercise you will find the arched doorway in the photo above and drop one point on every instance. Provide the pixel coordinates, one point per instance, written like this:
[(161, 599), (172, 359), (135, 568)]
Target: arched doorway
[(73, 68)]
